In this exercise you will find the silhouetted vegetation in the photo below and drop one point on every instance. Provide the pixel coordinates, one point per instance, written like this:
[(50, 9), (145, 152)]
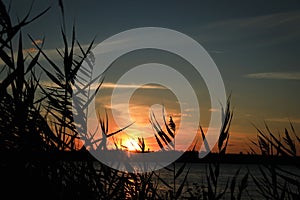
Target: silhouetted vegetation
[(277, 182), (41, 155)]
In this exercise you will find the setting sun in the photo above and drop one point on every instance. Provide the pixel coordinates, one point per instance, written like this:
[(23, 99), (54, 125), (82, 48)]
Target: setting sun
[(131, 145)]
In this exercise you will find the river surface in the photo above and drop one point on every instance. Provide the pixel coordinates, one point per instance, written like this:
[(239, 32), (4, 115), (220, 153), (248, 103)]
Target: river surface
[(198, 172)]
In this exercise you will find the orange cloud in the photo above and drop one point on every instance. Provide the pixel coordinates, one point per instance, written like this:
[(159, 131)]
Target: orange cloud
[(213, 110), (37, 42), (30, 50)]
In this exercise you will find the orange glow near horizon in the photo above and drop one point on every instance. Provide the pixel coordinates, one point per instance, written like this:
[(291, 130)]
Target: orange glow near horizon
[(131, 145), (142, 103)]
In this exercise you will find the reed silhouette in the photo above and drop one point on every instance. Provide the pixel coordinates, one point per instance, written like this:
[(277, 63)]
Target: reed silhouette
[(39, 142)]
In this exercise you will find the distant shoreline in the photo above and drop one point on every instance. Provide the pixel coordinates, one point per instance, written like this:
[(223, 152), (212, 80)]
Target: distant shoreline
[(238, 159), (189, 156)]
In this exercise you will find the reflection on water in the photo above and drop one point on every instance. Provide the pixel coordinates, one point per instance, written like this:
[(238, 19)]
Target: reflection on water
[(197, 179), (198, 172)]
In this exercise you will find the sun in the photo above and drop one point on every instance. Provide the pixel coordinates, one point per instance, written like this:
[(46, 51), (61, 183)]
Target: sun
[(131, 145)]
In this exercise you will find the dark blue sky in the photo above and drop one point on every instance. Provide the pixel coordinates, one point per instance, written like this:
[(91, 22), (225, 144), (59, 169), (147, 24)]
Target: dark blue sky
[(255, 44)]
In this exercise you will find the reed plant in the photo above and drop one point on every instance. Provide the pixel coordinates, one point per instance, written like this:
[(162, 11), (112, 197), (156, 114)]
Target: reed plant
[(39, 140), (277, 181)]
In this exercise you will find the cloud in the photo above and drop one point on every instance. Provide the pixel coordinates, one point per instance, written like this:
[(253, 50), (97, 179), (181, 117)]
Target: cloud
[(275, 75), (181, 115), (213, 110), (111, 46), (37, 42), (214, 51), (284, 120), (94, 86), (33, 49), (51, 53), (263, 21), (189, 110), (30, 50), (283, 27), (126, 86)]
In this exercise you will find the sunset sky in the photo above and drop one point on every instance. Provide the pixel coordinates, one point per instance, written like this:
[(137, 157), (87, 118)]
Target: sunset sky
[(255, 45)]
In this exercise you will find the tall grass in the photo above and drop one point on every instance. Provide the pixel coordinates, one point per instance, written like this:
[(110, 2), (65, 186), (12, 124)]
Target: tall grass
[(278, 182), (166, 142), (37, 125)]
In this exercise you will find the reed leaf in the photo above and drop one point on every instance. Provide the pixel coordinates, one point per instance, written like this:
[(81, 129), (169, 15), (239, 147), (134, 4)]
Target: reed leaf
[(288, 140), (179, 191), (243, 186), (233, 183), (179, 172), (206, 145)]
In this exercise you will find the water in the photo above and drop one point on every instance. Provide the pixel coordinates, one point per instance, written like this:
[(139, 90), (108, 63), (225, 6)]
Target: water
[(198, 172)]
